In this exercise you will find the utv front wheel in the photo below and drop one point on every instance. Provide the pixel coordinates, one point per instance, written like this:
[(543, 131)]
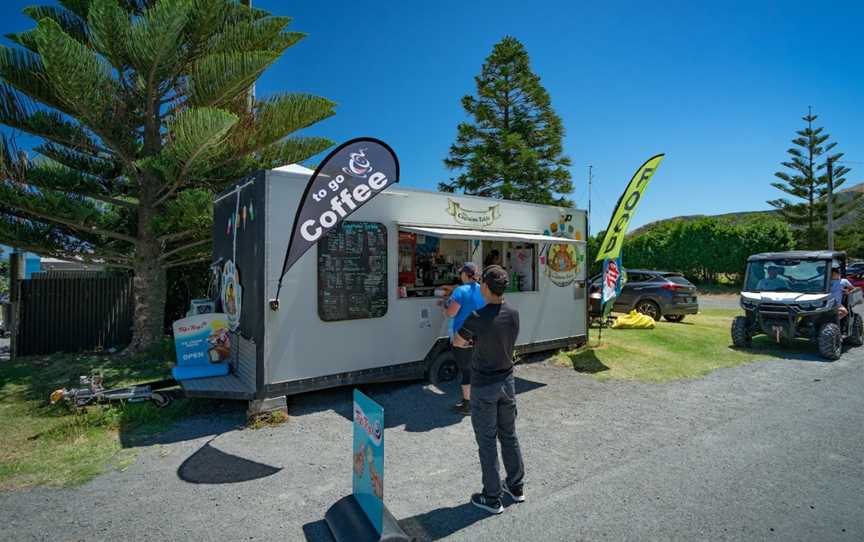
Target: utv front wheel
[(830, 342), (856, 336), (740, 336)]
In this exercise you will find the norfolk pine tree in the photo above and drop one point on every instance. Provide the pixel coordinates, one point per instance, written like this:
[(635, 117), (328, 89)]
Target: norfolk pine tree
[(512, 147), (145, 112), (804, 182)]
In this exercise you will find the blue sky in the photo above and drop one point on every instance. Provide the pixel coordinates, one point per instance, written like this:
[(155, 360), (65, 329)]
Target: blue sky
[(718, 86)]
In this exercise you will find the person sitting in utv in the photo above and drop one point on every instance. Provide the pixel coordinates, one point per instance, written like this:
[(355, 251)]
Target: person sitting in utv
[(839, 286), (774, 281)]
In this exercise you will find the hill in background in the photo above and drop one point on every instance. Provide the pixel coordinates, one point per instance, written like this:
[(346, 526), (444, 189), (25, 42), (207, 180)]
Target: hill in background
[(746, 216)]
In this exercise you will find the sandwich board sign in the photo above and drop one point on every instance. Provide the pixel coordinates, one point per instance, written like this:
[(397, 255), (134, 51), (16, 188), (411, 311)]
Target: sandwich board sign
[(203, 345), (368, 458)]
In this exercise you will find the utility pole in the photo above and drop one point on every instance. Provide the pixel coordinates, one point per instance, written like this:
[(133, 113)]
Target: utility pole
[(830, 204), (590, 178), (250, 97), (588, 265)]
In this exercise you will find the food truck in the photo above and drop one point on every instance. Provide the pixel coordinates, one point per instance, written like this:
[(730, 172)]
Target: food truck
[(364, 304)]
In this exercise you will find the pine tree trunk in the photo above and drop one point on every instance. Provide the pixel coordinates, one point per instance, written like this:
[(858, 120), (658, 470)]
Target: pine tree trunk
[(149, 286), (149, 289)]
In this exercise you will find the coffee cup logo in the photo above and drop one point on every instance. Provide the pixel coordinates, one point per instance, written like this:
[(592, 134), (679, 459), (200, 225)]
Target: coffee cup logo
[(358, 164)]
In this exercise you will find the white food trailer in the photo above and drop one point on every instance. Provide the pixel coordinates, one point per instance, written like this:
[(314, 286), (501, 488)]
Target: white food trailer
[(361, 305)]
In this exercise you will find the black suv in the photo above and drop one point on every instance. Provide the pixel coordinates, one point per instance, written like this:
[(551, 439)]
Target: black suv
[(655, 293)]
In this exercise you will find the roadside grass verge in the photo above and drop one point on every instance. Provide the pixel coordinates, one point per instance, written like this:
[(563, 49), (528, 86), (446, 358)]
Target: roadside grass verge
[(690, 349), (42, 444)]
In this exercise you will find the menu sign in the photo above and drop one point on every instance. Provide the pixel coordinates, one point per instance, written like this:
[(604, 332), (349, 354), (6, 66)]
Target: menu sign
[(352, 272)]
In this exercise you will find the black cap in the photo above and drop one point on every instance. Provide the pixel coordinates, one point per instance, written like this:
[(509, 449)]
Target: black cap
[(496, 279), (470, 269)]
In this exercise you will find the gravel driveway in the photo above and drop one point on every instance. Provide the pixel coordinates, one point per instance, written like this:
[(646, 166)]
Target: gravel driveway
[(769, 451), (718, 302)]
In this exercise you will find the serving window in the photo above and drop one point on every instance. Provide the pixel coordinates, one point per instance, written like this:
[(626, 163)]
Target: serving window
[(428, 262), (519, 259)]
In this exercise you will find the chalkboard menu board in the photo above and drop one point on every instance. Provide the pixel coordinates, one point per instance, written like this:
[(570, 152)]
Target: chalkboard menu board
[(352, 272)]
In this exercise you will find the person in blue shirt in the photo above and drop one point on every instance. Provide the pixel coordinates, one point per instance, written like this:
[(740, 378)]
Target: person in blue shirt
[(838, 287), (462, 302)]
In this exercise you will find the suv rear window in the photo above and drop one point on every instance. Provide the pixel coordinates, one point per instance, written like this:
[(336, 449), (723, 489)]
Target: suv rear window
[(678, 279)]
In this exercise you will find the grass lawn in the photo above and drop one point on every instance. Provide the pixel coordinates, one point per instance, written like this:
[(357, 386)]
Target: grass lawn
[(690, 349), (42, 444)]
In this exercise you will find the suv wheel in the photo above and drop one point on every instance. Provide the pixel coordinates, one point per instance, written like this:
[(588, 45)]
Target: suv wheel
[(674, 317), (830, 342), (740, 336), (856, 336), (649, 308)]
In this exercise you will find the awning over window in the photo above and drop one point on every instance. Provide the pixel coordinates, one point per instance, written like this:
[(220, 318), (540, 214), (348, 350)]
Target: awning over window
[(456, 233)]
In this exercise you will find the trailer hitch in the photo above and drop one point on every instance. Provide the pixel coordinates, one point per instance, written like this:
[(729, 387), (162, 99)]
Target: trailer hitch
[(92, 392)]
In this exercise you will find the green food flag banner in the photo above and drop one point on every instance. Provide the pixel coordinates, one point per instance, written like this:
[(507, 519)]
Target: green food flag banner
[(611, 247)]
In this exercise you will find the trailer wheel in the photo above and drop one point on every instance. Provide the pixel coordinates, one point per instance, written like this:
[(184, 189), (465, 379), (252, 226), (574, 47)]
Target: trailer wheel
[(443, 369), (161, 400)]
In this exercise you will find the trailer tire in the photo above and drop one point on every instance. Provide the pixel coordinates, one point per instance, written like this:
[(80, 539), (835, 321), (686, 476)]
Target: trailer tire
[(444, 368), (856, 336), (161, 400), (830, 342)]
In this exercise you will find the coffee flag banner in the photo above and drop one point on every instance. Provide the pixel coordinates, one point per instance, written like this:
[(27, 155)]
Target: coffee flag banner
[(614, 238), (354, 173)]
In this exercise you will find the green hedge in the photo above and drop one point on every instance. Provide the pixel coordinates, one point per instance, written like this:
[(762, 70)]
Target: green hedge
[(702, 249)]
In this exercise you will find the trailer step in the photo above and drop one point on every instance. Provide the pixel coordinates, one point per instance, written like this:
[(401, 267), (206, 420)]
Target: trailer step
[(218, 387)]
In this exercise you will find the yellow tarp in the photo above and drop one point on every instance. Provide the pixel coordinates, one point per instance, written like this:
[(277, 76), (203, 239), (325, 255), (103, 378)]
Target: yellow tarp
[(634, 320)]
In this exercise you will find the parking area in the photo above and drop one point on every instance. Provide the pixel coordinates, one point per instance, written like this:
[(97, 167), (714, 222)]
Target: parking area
[(765, 450)]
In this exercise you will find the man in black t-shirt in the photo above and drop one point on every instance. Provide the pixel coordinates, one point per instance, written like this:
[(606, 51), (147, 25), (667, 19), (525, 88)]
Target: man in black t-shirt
[(494, 329)]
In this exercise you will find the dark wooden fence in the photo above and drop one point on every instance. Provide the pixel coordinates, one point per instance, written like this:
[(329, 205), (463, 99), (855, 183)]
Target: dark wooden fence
[(74, 312)]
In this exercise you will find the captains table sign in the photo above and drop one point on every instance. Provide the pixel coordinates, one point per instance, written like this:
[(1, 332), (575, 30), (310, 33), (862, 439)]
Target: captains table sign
[(354, 173)]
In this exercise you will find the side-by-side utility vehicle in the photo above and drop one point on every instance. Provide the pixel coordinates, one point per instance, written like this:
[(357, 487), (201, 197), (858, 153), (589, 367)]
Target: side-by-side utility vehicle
[(790, 295)]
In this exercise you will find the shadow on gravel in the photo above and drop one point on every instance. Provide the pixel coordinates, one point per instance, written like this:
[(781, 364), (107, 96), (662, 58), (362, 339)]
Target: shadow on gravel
[(442, 522), (432, 525), (212, 466), (418, 407), (798, 350), (200, 418)]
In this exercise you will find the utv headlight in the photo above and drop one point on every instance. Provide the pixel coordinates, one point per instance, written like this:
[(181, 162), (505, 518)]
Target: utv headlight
[(814, 305), (748, 304)]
